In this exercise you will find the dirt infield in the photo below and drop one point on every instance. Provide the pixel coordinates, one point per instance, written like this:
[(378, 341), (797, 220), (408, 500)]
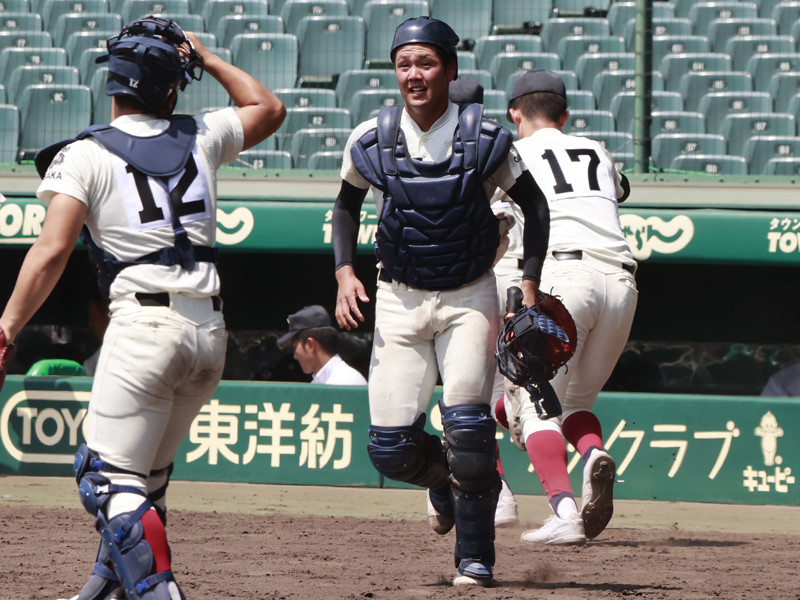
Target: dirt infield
[(258, 542)]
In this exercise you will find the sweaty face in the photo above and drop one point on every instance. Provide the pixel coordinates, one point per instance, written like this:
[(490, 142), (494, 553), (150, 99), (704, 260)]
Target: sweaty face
[(422, 77)]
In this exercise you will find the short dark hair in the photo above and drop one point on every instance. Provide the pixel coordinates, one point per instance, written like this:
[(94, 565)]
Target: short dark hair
[(327, 337), (541, 104)]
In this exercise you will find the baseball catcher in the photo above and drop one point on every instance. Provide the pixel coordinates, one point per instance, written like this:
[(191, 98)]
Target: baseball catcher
[(534, 343)]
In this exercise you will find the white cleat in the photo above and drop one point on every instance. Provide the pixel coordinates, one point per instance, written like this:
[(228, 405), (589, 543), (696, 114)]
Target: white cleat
[(473, 572), (557, 531), (598, 492), (506, 513)]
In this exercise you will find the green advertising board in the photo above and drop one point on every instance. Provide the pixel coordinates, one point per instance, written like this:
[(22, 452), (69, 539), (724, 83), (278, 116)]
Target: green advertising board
[(677, 447), (733, 236)]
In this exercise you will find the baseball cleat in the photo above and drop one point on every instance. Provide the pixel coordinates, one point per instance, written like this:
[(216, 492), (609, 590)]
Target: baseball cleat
[(441, 523), (506, 514), (598, 492), (472, 572), (557, 531), (513, 406)]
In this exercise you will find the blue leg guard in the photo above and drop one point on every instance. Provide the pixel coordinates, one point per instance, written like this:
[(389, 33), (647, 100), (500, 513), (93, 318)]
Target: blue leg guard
[(409, 454), (469, 432)]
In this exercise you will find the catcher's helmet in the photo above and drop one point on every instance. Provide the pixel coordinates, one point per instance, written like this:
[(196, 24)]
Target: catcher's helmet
[(425, 30), (144, 61)]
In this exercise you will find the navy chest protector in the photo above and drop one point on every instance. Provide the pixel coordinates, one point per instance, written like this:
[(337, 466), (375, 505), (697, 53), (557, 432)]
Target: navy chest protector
[(161, 156), (436, 230)]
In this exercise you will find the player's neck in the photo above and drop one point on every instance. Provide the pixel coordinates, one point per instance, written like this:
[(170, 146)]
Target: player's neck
[(530, 126)]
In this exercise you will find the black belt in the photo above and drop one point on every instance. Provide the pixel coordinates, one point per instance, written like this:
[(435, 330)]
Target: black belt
[(162, 299), (578, 255)]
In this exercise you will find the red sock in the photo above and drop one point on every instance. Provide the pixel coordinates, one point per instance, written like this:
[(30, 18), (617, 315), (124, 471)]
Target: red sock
[(583, 431), (500, 412), (156, 536), (499, 464), (548, 456)]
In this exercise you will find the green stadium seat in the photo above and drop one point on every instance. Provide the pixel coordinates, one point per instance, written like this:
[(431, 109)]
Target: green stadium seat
[(56, 367), (12, 6), (512, 15), (9, 133), (680, 27), (101, 103), (480, 75), (70, 23), (742, 47), (581, 100), (271, 143), (328, 161), (232, 25), (134, 9), (676, 122), (623, 161), (500, 116), (11, 58), (294, 11), (364, 102), (263, 159), (619, 13), (785, 14), (466, 60), (3, 95), (351, 82), (206, 94), (623, 103), (674, 66), (613, 141), (738, 128), (213, 11), (187, 21), (209, 40), (782, 86), (50, 113), (557, 28), (759, 149), (678, 44), (763, 66), (20, 21), (782, 166), (356, 6), (52, 9), (589, 65), (608, 84), (703, 13), (306, 97), (495, 100), (269, 57), (471, 19), (80, 41), (721, 30), (23, 76), (717, 105), (330, 46), (710, 164), (308, 141), (577, 7), (569, 77), (381, 18), (26, 39), (310, 118), (695, 84), (682, 7), (666, 146), (505, 63), (572, 47), (487, 46), (583, 121), (794, 31)]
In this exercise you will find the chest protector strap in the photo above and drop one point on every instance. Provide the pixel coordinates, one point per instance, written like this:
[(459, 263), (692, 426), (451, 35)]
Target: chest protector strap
[(160, 156), (436, 230)]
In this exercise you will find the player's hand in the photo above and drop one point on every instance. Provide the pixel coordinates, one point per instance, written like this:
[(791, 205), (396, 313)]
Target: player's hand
[(530, 290), (351, 290)]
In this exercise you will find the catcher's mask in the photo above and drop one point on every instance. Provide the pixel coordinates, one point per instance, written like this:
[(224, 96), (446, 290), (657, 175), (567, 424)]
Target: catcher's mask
[(148, 59)]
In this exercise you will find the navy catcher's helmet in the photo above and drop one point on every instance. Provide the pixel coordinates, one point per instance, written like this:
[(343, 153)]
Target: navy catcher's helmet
[(144, 61), (425, 30)]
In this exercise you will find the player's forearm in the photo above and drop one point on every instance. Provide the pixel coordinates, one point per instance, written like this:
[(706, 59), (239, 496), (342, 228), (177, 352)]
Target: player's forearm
[(345, 222), (536, 230)]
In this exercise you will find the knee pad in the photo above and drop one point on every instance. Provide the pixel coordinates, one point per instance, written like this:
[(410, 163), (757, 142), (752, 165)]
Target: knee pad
[(409, 454), (94, 488), (469, 430)]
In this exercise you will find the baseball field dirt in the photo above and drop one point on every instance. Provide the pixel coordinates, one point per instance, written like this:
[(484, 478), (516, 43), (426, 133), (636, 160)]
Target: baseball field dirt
[(262, 542)]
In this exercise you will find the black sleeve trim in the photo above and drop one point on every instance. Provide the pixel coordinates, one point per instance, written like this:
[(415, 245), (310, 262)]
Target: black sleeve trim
[(536, 231), (345, 222)]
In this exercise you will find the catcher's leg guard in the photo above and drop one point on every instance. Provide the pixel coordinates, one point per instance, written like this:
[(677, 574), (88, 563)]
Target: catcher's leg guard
[(409, 454), (469, 431)]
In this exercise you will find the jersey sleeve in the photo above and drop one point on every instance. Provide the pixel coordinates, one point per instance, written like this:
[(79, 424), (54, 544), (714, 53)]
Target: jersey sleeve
[(509, 171), (70, 172), (223, 135)]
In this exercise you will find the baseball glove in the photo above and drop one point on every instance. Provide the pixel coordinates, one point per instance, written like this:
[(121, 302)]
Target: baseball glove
[(557, 351), (6, 350)]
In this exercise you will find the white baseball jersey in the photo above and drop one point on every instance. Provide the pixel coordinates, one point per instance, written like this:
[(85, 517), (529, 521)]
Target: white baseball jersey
[(337, 372), (130, 216)]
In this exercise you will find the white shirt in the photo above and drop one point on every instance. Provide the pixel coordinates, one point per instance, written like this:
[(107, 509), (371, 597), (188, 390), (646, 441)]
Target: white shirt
[(88, 172), (581, 192), (338, 372), (434, 145)]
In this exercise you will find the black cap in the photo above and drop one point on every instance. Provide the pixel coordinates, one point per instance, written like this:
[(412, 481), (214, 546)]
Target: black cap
[(307, 317), (425, 30), (538, 80), (465, 90)]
